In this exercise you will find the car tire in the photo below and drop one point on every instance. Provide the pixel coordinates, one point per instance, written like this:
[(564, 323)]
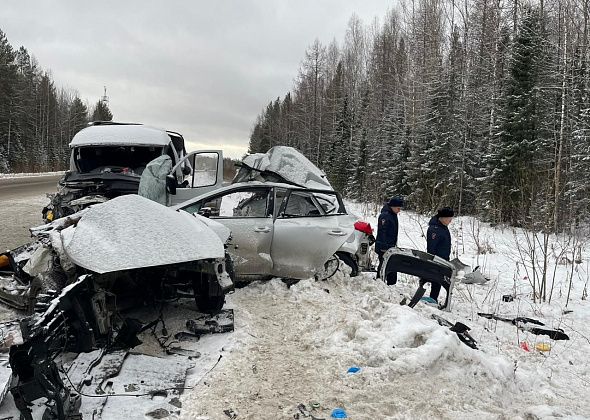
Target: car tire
[(207, 300), (349, 261)]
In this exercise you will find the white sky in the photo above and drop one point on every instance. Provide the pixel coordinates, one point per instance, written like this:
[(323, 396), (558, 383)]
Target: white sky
[(203, 68)]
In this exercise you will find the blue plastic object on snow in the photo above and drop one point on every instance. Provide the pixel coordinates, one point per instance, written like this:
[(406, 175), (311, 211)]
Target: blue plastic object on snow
[(428, 299), (339, 413), (354, 369)]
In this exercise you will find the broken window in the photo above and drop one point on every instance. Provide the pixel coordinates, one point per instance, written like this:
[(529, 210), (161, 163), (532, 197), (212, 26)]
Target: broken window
[(115, 158)]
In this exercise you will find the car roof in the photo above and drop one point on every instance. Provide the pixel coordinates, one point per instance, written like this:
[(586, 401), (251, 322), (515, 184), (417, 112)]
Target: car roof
[(120, 135), (254, 184)]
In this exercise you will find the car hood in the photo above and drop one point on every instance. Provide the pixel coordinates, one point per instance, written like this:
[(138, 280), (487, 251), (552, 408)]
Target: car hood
[(282, 164), (130, 232)]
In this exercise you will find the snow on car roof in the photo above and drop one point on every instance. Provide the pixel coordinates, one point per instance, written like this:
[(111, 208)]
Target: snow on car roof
[(119, 134), (290, 164), (130, 232)]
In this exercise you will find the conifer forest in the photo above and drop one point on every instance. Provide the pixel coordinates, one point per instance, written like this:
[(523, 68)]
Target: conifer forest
[(37, 119), (482, 105)]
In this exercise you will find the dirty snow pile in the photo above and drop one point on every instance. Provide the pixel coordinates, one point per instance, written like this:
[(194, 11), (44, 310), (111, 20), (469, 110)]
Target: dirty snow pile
[(28, 174), (295, 345)]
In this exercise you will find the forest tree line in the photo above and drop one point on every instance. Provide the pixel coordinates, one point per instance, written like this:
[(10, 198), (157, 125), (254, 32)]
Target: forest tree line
[(37, 119), (482, 105)]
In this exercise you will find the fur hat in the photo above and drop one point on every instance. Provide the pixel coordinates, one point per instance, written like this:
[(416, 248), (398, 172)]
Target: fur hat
[(396, 202), (445, 212)]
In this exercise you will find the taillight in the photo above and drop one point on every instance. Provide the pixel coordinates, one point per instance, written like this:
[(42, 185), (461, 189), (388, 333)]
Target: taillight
[(364, 227)]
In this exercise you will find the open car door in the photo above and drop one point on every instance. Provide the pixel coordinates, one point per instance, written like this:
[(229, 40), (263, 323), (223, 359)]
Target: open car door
[(203, 170)]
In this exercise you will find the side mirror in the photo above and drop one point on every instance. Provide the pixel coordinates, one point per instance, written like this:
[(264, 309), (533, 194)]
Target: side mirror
[(171, 184)]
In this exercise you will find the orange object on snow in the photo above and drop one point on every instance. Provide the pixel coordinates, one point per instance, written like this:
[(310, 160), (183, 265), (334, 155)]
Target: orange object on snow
[(4, 261)]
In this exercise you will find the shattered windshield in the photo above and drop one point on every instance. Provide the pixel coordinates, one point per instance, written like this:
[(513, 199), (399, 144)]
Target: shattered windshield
[(115, 158)]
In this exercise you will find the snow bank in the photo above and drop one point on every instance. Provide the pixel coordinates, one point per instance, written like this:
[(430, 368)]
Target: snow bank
[(296, 344), (29, 174)]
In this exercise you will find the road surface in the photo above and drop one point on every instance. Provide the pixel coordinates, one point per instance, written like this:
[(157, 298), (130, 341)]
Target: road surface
[(21, 201)]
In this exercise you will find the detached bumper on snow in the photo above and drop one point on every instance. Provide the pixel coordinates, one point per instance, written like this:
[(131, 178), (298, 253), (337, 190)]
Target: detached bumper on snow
[(429, 268)]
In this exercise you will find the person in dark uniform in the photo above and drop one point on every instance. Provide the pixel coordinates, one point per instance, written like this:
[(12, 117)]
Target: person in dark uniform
[(387, 230), (438, 241)]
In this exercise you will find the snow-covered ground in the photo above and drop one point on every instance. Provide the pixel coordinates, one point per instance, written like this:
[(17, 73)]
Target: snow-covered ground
[(294, 345)]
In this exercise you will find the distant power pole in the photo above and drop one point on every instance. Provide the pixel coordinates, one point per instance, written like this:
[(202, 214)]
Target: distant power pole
[(105, 98)]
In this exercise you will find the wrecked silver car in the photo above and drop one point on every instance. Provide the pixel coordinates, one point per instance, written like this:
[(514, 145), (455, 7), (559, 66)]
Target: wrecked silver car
[(277, 229), (286, 220), (127, 240), (108, 159), (82, 277)]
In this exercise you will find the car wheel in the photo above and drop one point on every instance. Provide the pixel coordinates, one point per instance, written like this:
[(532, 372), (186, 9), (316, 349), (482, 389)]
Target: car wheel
[(329, 269), (208, 295), (349, 261)]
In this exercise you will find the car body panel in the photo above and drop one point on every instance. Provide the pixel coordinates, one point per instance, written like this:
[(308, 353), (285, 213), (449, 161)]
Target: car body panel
[(281, 243), (301, 246), (130, 232)]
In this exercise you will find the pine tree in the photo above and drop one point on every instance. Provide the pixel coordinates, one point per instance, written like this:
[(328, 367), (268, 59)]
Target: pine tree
[(102, 112), (518, 130)]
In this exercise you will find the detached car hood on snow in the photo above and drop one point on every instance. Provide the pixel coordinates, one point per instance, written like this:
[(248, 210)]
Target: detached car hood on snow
[(282, 164), (130, 232)]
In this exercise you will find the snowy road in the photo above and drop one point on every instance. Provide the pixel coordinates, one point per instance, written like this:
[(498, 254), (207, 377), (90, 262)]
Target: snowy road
[(21, 201)]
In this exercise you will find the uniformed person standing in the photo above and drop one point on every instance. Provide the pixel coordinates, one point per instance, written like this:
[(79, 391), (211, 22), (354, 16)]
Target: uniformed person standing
[(438, 241), (387, 230)]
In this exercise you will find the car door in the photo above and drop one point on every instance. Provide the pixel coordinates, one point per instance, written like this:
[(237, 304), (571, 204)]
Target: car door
[(309, 228), (204, 173), (247, 212)]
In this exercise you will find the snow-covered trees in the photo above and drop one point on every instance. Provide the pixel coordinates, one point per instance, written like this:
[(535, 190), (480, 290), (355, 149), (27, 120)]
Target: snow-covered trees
[(37, 120), (477, 104)]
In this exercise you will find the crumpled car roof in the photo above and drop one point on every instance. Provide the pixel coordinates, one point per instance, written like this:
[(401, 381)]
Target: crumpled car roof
[(130, 232), (120, 135), (286, 164)]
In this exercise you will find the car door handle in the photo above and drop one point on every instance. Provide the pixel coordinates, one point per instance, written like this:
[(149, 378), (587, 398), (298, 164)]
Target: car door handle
[(337, 233), (264, 229)]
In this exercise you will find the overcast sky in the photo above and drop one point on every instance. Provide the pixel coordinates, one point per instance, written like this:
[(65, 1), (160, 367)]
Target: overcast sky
[(203, 68)]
